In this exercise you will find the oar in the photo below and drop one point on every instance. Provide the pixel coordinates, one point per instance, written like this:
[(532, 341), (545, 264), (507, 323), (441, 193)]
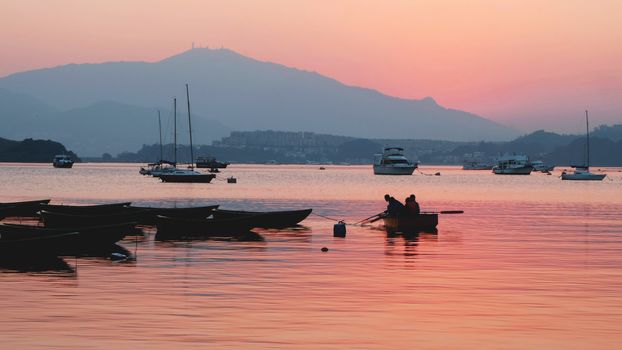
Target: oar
[(444, 212), (373, 216), (376, 219)]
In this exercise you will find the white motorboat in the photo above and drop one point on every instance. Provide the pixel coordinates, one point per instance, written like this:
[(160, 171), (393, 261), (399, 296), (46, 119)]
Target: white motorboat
[(393, 162), (512, 164), (62, 161), (475, 161), (582, 172)]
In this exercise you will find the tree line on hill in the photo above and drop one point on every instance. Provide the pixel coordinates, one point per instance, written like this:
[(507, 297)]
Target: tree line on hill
[(32, 151)]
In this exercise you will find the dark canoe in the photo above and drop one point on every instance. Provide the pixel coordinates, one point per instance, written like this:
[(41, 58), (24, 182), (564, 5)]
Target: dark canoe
[(85, 239), (21, 209), (266, 219), (411, 223), (61, 220), (149, 214), (178, 228), (96, 209), (198, 178), (37, 246)]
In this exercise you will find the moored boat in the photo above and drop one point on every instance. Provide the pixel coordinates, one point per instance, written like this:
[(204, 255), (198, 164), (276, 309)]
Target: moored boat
[(21, 209), (582, 172), (149, 214), (186, 176), (210, 163), (94, 209), (182, 228), (63, 220), (62, 161), (512, 164), (37, 246), (393, 162), (540, 166), (85, 238), (410, 223), (267, 219)]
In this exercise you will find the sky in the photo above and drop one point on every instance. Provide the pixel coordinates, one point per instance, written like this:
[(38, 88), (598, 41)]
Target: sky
[(527, 64)]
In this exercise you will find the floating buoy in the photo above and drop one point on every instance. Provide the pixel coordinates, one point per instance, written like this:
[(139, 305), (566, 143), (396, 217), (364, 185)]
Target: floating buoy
[(437, 174), (231, 180), (339, 230), (324, 249)]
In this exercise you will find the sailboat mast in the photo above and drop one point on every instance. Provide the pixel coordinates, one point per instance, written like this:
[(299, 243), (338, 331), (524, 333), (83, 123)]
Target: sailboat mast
[(587, 128), (160, 128), (190, 128), (175, 129)]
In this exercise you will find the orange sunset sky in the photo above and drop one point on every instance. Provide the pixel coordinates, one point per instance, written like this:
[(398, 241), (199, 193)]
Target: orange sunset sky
[(528, 64)]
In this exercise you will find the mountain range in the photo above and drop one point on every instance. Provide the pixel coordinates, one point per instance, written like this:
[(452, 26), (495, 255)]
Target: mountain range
[(110, 107)]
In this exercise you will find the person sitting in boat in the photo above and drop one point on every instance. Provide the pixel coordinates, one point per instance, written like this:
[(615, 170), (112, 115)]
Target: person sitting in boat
[(394, 208), (412, 207)]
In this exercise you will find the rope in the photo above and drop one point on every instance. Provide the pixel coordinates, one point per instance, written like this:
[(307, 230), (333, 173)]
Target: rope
[(325, 217)]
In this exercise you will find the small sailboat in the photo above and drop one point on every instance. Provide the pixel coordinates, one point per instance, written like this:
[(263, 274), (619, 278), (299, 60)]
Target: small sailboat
[(582, 172), (189, 174)]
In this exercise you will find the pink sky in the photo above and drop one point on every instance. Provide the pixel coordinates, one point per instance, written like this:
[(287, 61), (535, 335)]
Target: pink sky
[(528, 64)]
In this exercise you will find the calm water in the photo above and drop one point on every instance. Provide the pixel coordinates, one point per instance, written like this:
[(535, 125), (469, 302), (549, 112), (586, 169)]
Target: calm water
[(534, 263)]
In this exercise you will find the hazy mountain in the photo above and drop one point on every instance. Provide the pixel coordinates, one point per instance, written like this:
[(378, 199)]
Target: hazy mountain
[(105, 126), (246, 94)]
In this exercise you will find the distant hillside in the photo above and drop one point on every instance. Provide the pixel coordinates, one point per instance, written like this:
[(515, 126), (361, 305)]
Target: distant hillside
[(105, 126), (246, 94), (32, 151)]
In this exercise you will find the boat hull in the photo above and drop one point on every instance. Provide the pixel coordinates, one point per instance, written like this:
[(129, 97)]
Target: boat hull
[(411, 223), (271, 219), (394, 170), (512, 171), (583, 177), (177, 228), (199, 178), (22, 209), (62, 220)]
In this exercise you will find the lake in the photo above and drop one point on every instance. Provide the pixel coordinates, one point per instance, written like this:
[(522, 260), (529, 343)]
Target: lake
[(533, 263)]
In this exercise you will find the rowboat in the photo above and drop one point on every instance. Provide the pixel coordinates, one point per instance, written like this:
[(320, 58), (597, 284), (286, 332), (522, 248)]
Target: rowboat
[(182, 228), (83, 239), (95, 209), (266, 219), (410, 223), (149, 214), (21, 209), (47, 245), (61, 220)]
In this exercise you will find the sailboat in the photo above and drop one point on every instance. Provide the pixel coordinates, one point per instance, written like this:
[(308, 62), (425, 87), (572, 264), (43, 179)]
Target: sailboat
[(161, 166), (582, 172), (189, 174)]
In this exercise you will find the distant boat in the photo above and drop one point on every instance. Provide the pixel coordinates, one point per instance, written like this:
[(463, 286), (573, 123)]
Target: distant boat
[(539, 165), (62, 161), (162, 166), (393, 162), (188, 175), (582, 172), (210, 163), (512, 164), (473, 161), (476, 165)]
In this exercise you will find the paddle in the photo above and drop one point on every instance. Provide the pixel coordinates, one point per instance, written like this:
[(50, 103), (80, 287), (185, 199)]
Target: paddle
[(444, 212), (364, 220)]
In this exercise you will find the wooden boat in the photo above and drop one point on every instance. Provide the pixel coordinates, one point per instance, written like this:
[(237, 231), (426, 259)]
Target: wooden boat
[(181, 228), (83, 239), (149, 214), (21, 209), (47, 245), (62, 220), (266, 219), (96, 209), (410, 223)]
